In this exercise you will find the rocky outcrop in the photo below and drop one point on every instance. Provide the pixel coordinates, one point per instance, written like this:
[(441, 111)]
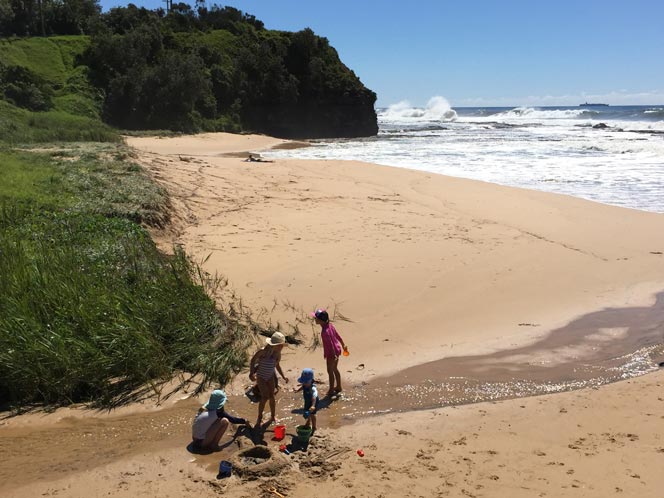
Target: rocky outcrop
[(355, 117)]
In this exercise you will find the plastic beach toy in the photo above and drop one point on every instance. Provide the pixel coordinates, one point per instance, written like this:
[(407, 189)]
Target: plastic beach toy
[(225, 469), (303, 434), (346, 353), (279, 432)]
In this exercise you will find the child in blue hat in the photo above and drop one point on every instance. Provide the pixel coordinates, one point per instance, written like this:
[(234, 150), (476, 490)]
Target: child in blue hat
[(310, 394)]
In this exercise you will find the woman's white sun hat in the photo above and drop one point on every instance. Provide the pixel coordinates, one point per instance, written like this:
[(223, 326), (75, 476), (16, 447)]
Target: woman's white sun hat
[(276, 339)]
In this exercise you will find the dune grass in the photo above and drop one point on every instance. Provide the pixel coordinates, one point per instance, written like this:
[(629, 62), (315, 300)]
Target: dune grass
[(19, 127), (30, 180), (89, 308)]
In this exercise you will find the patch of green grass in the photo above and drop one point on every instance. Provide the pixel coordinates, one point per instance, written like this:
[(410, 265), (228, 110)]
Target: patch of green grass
[(31, 179), (18, 126), (89, 308), (83, 178), (108, 182), (75, 115), (51, 58)]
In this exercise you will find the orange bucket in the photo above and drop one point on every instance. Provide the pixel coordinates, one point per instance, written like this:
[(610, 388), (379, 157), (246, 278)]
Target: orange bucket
[(279, 432)]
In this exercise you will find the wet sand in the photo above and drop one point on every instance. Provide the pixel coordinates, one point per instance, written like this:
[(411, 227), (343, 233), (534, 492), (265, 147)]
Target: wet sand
[(605, 346), (456, 291)]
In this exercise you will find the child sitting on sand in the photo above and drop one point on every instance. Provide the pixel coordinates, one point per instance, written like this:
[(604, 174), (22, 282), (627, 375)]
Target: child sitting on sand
[(332, 346), (310, 394), (211, 422)]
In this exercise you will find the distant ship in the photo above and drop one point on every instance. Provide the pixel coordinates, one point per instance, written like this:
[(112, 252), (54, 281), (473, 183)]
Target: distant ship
[(593, 105)]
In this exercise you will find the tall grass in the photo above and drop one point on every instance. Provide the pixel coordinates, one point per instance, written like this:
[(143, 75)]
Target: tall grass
[(31, 180), (18, 126), (89, 308)]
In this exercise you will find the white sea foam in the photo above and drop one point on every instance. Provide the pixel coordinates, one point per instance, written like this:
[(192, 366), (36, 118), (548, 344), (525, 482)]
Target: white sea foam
[(532, 113), (437, 109), (556, 150)]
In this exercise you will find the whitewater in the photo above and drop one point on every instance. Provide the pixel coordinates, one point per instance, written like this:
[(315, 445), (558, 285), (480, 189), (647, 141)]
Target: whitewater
[(608, 154)]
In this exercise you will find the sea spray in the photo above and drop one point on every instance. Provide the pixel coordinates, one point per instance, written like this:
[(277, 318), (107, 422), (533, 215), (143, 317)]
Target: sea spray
[(437, 109)]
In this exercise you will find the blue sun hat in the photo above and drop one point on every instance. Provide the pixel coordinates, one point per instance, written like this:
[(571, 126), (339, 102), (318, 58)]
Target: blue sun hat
[(217, 400), (307, 376)]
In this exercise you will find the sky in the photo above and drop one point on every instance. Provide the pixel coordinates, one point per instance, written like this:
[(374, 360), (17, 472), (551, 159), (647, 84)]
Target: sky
[(484, 52)]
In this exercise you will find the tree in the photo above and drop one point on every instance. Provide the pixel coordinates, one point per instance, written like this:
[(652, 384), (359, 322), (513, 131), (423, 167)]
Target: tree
[(25, 89), (47, 17)]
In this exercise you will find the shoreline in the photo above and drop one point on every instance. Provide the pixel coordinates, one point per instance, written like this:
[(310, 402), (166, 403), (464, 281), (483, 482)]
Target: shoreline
[(426, 267)]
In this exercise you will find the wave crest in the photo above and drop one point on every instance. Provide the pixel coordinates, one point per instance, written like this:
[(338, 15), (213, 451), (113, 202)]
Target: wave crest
[(534, 113), (437, 109), (655, 112)]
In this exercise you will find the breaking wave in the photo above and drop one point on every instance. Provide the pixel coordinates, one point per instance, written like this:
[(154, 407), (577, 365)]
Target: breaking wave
[(437, 109), (534, 113), (654, 113)]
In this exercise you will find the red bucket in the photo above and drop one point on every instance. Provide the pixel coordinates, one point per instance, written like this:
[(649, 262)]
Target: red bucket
[(279, 432)]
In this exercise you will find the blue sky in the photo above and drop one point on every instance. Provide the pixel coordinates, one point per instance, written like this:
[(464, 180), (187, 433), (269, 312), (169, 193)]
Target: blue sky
[(483, 52)]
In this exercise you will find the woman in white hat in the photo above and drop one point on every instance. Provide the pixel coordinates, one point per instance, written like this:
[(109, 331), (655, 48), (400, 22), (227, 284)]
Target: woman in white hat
[(262, 368)]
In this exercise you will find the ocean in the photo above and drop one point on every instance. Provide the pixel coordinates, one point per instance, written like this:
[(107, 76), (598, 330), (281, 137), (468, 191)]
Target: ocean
[(609, 154)]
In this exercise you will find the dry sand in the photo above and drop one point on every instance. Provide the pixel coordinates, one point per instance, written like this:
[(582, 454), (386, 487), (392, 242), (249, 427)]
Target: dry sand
[(425, 267)]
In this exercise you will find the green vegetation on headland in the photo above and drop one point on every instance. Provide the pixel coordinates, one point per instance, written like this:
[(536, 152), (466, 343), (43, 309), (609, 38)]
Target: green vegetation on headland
[(44, 96), (189, 70), (89, 308)]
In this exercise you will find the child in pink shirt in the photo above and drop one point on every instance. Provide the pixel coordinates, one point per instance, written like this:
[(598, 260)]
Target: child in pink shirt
[(333, 344)]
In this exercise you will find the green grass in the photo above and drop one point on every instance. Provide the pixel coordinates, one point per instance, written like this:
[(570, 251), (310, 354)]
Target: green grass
[(18, 126), (89, 308), (75, 115), (104, 180), (51, 58), (28, 179)]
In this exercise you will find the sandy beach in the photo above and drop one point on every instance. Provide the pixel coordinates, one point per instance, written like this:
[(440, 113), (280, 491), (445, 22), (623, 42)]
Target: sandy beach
[(414, 267)]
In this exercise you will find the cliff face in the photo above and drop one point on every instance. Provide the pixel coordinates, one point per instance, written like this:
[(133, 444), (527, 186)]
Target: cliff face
[(350, 116), (326, 98)]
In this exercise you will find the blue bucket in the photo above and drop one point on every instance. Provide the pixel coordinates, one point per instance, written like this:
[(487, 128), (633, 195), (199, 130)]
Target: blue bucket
[(225, 469)]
